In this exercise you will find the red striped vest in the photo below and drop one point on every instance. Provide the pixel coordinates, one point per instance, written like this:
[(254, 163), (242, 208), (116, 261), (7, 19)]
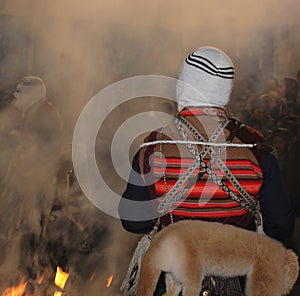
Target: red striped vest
[(205, 199)]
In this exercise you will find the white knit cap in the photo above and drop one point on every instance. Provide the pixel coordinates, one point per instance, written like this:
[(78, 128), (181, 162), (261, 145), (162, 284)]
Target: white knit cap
[(206, 79)]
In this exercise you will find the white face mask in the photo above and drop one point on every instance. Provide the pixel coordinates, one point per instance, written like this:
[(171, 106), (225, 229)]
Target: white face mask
[(26, 95)]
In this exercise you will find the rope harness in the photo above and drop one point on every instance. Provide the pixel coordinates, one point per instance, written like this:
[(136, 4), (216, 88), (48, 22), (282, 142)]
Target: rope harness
[(178, 191)]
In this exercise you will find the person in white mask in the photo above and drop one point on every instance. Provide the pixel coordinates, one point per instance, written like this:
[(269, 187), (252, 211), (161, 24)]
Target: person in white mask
[(30, 90), (31, 126)]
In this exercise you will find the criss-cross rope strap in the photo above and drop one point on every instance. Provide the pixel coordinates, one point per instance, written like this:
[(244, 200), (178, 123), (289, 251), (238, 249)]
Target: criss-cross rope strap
[(245, 200), (175, 194)]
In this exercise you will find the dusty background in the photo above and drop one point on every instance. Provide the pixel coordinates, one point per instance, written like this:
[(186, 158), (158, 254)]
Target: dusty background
[(80, 47)]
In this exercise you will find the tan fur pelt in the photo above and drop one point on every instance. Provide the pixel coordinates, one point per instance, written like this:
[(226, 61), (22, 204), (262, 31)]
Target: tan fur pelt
[(189, 250)]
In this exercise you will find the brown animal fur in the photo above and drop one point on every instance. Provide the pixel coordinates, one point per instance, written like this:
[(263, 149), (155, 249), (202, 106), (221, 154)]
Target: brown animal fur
[(190, 250)]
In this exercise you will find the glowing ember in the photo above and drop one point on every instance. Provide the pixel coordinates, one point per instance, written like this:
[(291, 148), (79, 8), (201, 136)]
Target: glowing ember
[(109, 281), (15, 291), (61, 277), (57, 293), (40, 279), (93, 276)]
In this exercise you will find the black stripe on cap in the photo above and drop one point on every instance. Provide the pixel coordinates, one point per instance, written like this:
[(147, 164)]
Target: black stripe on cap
[(207, 66)]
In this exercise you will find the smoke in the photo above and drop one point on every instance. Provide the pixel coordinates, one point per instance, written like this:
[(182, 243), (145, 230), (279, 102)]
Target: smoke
[(80, 47)]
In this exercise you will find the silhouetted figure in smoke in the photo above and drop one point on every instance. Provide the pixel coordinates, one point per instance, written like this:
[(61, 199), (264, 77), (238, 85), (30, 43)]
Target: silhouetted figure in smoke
[(32, 127), (238, 108), (280, 141), (288, 90), (260, 114), (271, 88)]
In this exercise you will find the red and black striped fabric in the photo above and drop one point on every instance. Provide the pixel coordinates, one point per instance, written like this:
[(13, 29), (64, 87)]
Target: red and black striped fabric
[(205, 200)]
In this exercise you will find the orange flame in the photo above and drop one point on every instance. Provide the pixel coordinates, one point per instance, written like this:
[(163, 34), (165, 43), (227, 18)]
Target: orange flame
[(61, 278), (40, 279), (57, 293), (92, 276), (109, 281), (15, 291)]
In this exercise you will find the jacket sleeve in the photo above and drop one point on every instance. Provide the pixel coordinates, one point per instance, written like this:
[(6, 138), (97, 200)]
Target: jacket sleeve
[(277, 204), (136, 193)]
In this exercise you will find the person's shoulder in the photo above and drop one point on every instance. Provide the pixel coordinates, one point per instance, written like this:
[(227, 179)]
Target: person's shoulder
[(253, 132), (152, 136), (246, 132), (48, 108)]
